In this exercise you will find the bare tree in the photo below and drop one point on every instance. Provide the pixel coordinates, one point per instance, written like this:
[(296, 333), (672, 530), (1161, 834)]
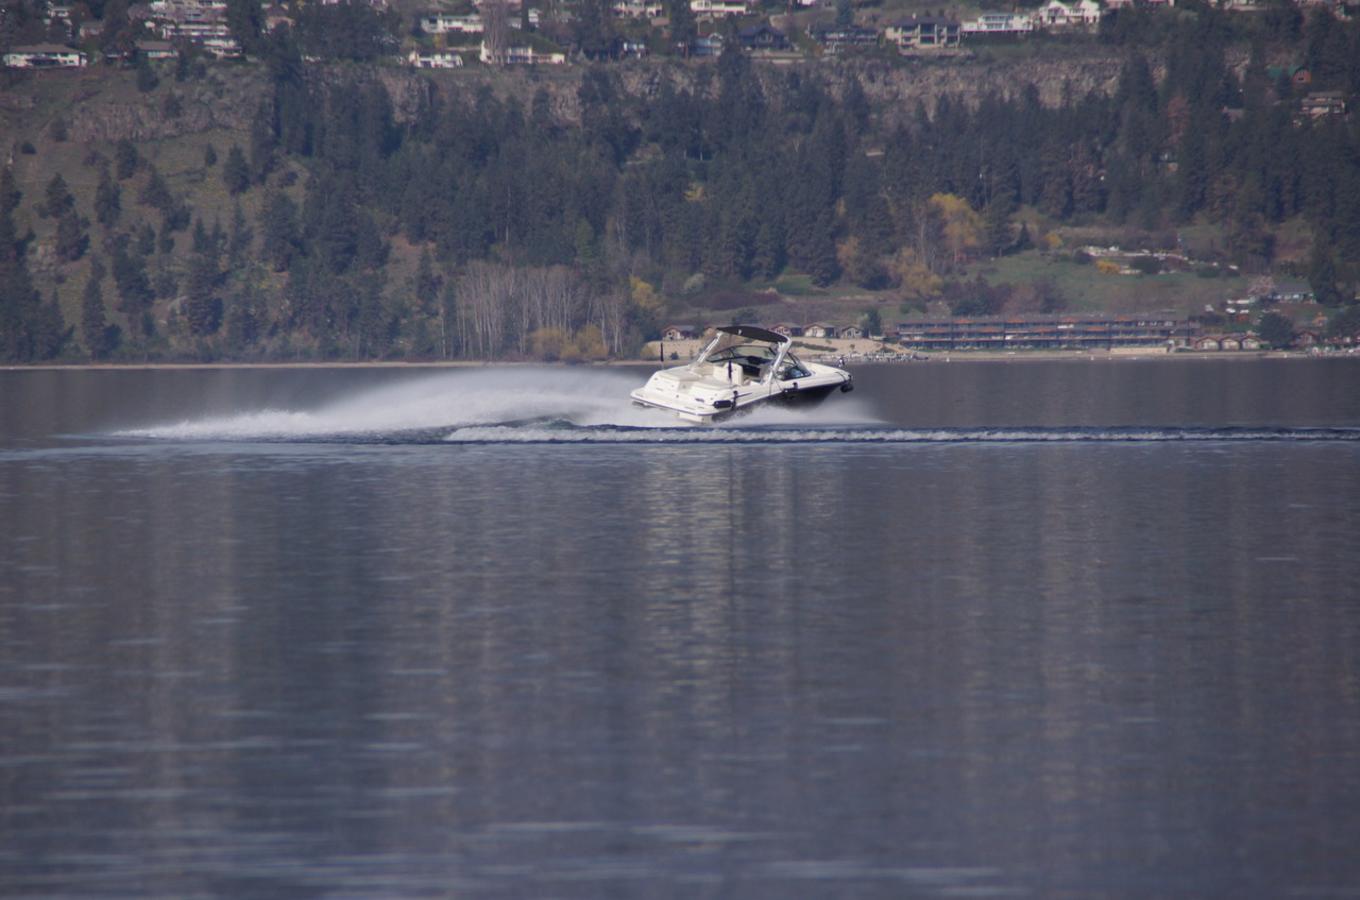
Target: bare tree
[(495, 31)]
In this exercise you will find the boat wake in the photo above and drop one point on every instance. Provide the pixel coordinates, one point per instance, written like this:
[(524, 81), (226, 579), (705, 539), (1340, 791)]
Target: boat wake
[(433, 407), (556, 406)]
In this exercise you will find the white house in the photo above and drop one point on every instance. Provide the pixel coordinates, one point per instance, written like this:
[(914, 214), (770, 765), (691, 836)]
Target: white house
[(434, 59), (442, 23), (1057, 14), (998, 23), (922, 33), (709, 9), (639, 9), (524, 56), (45, 56)]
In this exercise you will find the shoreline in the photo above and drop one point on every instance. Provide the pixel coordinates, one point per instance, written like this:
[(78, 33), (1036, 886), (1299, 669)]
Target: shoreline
[(953, 358)]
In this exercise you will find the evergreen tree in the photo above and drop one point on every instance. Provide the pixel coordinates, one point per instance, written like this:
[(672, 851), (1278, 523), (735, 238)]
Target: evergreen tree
[(101, 338), (996, 227), (1276, 330), (279, 230), (240, 239), (236, 171), (134, 289), (683, 27), (58, 198), (156, 193), (1322, 276), (125, 159), (146, 76), (245, 318), (108, 200), (245, 18), (10, 195), (72, 240), (262, 144), (30, 330)]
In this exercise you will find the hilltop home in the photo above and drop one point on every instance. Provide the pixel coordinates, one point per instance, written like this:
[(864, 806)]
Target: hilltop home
[(436, 59), (708, 45), (45, 56), (842, 39), (710, 9), (923, 33), (1323, 103), (156, 50), (443, 23), (639, 9), (1058, 15), (523, 56), (998, 23), (762, 37)]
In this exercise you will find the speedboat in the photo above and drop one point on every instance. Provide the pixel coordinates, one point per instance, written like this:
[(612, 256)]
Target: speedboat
[(741, 367)]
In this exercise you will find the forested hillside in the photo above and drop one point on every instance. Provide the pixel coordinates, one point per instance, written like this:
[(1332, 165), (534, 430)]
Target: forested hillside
[(323, 217)]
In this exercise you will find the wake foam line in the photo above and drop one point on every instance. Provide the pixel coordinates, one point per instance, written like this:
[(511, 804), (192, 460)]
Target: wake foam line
[(501, 434)]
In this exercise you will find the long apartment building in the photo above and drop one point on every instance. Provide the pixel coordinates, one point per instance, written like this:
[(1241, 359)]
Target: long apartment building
[(1046, 332)]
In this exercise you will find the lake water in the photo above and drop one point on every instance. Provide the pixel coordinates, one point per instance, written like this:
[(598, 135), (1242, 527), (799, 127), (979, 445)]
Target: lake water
[(1068, 629)]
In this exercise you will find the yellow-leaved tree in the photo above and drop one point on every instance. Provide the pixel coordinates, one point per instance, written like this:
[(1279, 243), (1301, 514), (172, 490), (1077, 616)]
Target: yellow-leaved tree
[(962, 225), (913, 276)]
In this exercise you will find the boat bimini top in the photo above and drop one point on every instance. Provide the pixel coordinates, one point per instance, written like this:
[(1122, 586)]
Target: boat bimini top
[(747, 352)]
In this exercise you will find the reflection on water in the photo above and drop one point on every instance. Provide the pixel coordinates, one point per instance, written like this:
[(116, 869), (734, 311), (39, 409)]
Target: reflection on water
[(1078, 667)]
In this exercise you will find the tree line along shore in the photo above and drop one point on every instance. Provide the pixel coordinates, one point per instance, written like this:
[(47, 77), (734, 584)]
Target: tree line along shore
[(295, 212)]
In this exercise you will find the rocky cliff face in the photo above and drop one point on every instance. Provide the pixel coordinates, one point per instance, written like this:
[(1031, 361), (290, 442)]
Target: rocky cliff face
[(99, 105)]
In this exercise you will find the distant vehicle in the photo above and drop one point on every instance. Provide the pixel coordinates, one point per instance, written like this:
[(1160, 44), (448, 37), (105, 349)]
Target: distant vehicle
[(742, 367)]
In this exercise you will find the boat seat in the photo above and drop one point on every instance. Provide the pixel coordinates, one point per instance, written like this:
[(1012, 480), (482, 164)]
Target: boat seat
[(720, 374)]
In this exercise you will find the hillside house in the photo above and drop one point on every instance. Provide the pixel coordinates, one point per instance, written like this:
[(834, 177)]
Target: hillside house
[(851, 333), (1058, 15), (639, 9), (712, 9), (708, 45), (820, 330), (788, 329), (521, 56), (843, 39), (762, 37), (45, 56), (1321, 104), (444, 23), (997, 24), (434, 59), (923, 33), (156, 50), (679, 332)]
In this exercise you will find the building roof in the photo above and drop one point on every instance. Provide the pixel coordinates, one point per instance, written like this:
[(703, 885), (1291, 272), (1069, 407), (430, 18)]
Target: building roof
[(915, 21), (44, 48)]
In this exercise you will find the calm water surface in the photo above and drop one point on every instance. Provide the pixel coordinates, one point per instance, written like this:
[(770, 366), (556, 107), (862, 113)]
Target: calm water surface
[(1040, 629)]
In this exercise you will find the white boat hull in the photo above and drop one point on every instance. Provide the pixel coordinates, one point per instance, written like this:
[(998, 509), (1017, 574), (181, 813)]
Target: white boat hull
[(711, 396)]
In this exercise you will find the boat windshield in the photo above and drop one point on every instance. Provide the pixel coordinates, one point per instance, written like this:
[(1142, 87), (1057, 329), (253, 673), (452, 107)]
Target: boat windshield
[(791, 368), (736, 348)]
